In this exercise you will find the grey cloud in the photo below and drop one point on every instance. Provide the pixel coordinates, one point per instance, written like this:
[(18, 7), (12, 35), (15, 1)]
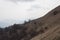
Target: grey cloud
[(20, 0), (37, 7)]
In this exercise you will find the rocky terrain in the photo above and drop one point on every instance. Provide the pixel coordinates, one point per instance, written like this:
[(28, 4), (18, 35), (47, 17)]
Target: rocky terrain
[(44, 28)]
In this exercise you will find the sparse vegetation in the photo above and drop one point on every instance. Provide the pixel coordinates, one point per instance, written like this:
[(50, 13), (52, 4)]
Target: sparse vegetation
[(17, 32), (55, 12)]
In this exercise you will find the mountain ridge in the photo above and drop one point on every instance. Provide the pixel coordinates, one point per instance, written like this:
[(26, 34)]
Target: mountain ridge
[(44, 28), (51, 21)]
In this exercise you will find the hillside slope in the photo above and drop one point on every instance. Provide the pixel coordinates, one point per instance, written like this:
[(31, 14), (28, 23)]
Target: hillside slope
[(44, 28), (52, 22)]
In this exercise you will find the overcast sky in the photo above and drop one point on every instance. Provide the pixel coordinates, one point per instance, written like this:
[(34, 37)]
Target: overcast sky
[(20, 10)]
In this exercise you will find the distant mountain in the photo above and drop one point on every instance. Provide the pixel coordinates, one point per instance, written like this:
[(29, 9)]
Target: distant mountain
[(44, 28), (8, 22)]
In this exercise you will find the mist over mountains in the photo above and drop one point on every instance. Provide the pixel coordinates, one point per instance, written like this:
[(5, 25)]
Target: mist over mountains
[(24, 10), (8, 22)]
